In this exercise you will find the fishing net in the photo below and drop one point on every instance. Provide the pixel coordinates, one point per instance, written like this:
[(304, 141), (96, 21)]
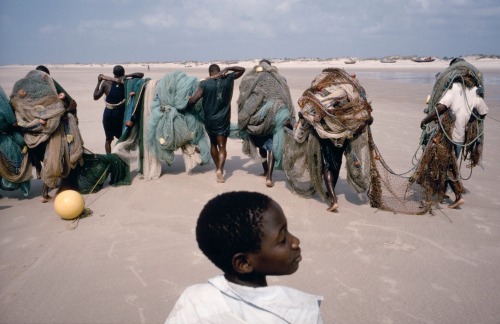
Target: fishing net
[(172, 126), (438, 166), (264, 108), (151, 166), (335, 107), (97, 168), (41, 113), (15, 168), (134, 104)]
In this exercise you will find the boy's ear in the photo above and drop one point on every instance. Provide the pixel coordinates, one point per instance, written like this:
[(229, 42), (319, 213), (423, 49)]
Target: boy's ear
[(241, 263)]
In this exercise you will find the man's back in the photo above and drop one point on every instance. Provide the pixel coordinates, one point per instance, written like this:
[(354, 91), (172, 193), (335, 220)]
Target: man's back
[(217, 95)]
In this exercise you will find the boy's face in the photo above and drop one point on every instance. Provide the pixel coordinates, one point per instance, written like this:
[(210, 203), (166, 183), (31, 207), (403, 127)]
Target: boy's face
[(279, 252)]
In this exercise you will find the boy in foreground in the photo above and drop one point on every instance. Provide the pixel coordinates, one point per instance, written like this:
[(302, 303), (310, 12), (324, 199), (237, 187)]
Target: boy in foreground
[(245, 234)]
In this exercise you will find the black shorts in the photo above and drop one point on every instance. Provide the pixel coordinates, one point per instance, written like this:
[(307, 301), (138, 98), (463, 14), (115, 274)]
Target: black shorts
[(332, 155), (112, 120)]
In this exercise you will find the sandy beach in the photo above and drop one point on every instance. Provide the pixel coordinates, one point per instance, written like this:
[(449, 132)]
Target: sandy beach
[(130, 260)]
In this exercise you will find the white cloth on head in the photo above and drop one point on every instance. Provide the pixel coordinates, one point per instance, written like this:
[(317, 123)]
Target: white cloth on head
[(461, 101), (220, 301)]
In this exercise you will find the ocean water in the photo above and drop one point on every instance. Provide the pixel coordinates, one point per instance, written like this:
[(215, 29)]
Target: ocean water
[(492, 78)]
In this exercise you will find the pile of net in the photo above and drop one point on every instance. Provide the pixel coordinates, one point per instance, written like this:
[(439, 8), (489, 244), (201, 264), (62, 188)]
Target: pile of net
[(173, 125), (438, 164), (41, 114), (264, 107), (131, 137), (91, 175), (15, 167), (337, 108)]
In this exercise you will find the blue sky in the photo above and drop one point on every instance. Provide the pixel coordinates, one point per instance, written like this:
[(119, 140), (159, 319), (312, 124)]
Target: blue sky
[(122, 31)]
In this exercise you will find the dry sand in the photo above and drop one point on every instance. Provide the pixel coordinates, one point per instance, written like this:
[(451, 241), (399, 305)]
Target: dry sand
[(131, 259)]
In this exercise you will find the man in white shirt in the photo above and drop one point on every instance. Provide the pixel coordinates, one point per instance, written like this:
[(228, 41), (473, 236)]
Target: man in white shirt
[(464, 99)]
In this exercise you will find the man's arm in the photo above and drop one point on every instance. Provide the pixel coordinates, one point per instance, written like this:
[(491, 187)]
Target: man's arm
[(440, 109), (138, 75), (237, 70), (69, 103), (102, 87), (195, 97)]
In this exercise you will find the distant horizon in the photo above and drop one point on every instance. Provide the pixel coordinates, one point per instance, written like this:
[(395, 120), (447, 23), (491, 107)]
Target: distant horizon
[(274, 59)]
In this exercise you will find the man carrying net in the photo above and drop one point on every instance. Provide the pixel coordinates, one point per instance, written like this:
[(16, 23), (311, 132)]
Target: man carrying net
[(264, 108)]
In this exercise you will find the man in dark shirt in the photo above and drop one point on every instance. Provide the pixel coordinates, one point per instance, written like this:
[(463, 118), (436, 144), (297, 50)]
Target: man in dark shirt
[(217, 92)]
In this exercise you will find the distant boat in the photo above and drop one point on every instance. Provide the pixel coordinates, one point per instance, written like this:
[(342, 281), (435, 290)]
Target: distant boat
[(387, 60), (350, 61), (423, 59)]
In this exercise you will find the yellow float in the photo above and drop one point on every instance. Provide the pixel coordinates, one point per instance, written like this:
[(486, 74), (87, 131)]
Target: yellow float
[(69, 204)]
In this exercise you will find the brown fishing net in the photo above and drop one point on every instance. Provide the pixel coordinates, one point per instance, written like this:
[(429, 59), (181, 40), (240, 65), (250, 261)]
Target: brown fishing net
[(335, 107), (41, 114)]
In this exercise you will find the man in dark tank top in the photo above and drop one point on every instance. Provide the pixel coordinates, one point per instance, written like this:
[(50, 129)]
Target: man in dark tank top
[(112, 118)]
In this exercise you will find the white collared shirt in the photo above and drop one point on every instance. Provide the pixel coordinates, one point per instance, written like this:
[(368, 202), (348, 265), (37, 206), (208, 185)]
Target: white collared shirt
[(220, 301)]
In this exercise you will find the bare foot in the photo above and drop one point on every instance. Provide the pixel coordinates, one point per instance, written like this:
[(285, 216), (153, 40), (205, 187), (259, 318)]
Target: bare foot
[(269, 183), (333, 207), (457, 203), (45, 199), (220, 176)]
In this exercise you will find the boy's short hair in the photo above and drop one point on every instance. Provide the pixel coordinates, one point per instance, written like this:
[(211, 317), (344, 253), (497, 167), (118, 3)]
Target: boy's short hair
[(231, 223)]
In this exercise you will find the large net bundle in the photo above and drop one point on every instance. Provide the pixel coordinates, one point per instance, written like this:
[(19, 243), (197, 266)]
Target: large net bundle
[(264, 107), (15, 169), (130, 138), (171, 126), (460, 71), (41, 114), (336, 108), (469, 76), (438, 165), (35, 97), (150, 166)]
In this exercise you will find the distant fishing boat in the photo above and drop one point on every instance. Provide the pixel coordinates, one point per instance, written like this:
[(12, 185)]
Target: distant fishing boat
[(387, 60), (423, 59), (350, 61)]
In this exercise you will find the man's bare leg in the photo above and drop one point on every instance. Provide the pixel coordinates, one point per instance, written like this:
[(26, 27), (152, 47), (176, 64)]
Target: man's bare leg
[(270, 164), (107, 147), (221, 157), (45, 194), (457, 190), (457, 203), (265, 166), (330, 188)]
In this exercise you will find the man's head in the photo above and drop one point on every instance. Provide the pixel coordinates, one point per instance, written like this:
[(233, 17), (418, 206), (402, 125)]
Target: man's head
[(456, 60), (213, 69), (118, 71), (265, 61), (43, 68), (245, 233)]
